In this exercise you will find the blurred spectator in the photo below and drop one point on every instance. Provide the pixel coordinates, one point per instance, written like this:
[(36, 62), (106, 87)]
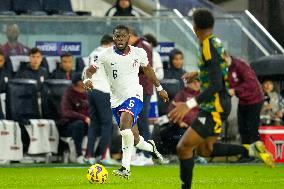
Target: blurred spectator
[(33, 70), (12, 46), (157, 61), (5, 74), (122, 8), (64, 71), (175, 70), (74, 114), (272, 109), (159, 70), (242, 79), (171, 135), (143, 121), (100, 110)]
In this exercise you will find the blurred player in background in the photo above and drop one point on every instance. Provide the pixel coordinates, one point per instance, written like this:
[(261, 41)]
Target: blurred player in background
[(122, 63), (214, 102), (100, 111)]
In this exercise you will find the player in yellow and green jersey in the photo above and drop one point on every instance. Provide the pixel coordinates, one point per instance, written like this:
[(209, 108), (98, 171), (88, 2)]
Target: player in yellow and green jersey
[(214, 102)]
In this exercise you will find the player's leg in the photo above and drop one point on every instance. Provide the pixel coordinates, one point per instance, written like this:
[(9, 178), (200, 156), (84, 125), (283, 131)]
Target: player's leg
[(148, 146), (106, 127), (211, 148), (242, 126), (189, 141), (92, 128), (256, 147), (126, 121), (143, 121)]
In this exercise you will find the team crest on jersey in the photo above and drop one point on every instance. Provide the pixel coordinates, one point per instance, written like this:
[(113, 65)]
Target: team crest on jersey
[(96, 58), (135, 63)]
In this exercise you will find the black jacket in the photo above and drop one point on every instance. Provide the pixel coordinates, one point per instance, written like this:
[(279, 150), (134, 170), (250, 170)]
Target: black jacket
[(61, 74), (27, 73), (5, 75)]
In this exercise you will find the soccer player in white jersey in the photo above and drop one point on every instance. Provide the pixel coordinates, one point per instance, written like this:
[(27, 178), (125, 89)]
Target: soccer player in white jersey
[(121, 64)]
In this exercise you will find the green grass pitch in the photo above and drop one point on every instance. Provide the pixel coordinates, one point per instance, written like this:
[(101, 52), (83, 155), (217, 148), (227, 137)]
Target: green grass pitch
[(219, 176)]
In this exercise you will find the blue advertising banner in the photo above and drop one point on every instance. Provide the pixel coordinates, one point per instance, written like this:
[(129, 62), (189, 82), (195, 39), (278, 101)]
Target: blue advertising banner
[(50, 48), (164, 48)]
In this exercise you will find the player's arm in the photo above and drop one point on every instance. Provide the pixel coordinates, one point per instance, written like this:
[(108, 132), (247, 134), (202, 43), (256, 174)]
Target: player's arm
[(149, 72), (89, 72), (88, 84)]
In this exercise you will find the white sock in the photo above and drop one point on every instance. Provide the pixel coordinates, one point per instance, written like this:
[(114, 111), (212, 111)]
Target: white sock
[(127, 147), (143, 145)]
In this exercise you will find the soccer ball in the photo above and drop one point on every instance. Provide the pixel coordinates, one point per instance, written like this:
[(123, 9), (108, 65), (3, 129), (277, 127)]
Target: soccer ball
[(97, 174)]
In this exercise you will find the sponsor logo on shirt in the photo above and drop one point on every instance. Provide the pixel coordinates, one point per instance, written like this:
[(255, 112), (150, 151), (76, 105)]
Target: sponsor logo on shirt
[(135, 63)]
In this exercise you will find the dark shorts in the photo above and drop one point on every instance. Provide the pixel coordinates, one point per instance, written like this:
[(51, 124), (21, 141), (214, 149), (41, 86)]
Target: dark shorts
[(209, 124), (132, 105)]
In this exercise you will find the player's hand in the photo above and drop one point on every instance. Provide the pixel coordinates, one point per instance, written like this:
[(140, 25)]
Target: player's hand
[(88, 85), (178, 113), (88, 121), (190, 76), (183, 125), (164, 95)]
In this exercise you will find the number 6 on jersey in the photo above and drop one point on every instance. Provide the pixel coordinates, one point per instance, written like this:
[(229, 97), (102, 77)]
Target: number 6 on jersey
[(131, 103)]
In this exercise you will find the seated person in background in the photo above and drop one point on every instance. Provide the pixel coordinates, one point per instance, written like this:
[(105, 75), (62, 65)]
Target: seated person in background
[(175, 70), (12, 46), (5, 74), (64, 71), (75, 118), (122, 8), (171, 135), (33, 70), (271, 112)]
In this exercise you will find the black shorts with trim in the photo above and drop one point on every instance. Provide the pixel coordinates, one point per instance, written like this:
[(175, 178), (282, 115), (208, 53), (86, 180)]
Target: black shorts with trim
[(209, 124)]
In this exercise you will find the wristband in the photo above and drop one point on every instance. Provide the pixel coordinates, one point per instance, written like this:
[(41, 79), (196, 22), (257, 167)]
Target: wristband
[(160, 88), (86, 80), (191, 103)]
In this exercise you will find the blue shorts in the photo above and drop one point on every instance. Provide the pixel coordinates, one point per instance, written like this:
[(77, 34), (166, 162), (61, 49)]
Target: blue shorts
[(132, 105)]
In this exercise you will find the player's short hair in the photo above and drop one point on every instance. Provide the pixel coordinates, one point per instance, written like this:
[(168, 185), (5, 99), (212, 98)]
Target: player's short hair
[(106, 39), (151, 39), (121, 27), (66, 54), (203, 19), (34, 51)]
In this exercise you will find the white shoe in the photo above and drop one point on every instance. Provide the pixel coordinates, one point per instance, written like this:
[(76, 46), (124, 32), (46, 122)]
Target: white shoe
[(122, 172), (156, 154), (109, 161), (4, 162), (81, 160), (137, 159), (148, 161), (90, 160)]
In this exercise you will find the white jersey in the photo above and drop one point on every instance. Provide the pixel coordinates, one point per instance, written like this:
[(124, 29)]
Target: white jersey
[(122, 72), (99, 79)]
